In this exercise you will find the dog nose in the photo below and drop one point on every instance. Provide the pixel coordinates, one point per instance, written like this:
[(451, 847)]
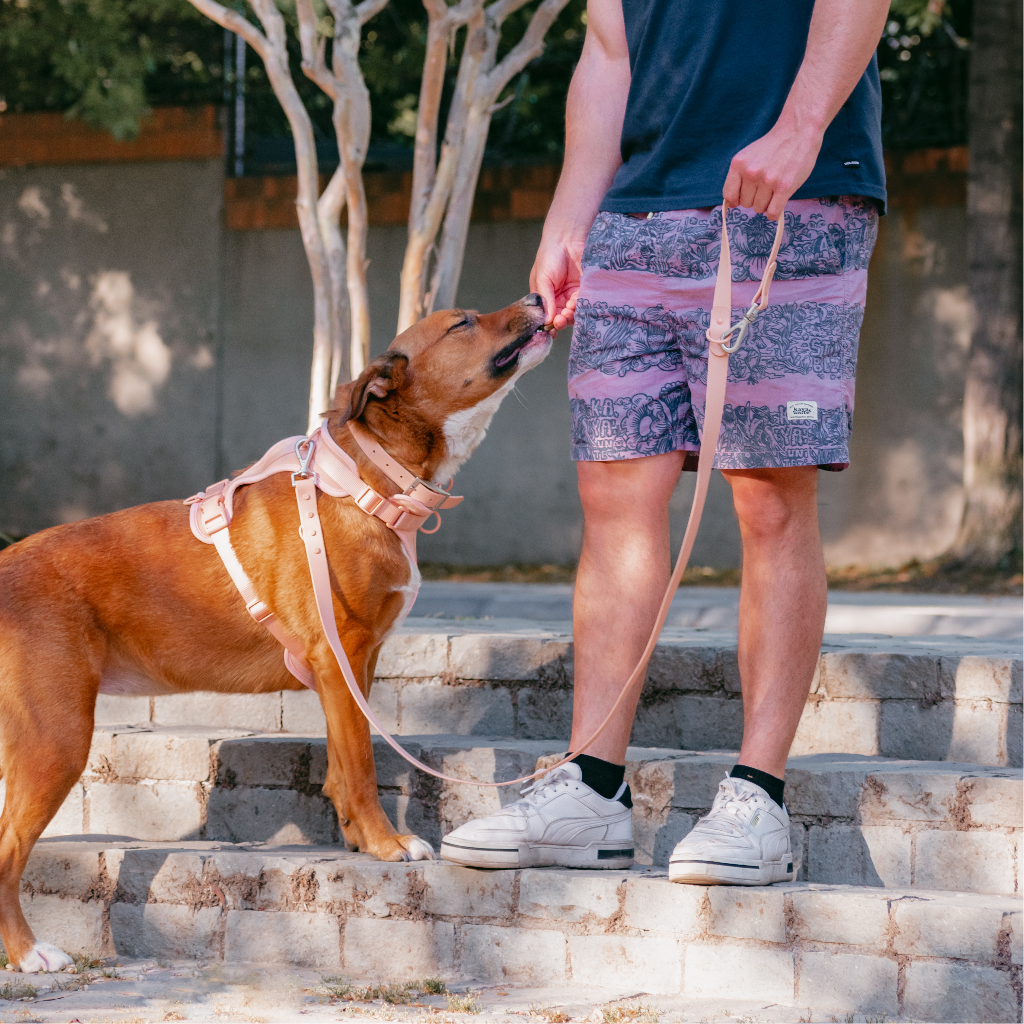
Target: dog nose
[(533, 299)]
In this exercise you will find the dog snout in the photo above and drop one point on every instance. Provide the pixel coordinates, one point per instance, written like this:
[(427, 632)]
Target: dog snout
[(533, 299)]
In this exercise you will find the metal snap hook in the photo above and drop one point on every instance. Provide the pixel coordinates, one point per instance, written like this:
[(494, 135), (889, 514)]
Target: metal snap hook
[(302, 473), (740, 329)]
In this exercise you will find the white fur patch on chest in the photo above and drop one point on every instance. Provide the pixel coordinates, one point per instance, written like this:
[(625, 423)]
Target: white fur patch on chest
[(464, 430), (410, 590)]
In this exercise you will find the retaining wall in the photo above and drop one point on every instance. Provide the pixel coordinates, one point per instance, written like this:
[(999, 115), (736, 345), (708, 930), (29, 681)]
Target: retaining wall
[(146, 349)]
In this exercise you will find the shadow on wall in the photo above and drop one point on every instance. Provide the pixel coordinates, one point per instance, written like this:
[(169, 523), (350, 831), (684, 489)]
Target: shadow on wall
[(144, 352), (902, 496), (108, 281)]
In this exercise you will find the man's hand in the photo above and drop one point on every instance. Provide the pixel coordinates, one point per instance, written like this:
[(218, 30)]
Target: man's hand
[(593, 127), (766, 173), (842, 37), (556, 277)]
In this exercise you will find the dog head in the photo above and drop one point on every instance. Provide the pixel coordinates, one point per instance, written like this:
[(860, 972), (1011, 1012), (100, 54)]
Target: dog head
[(431, 397)]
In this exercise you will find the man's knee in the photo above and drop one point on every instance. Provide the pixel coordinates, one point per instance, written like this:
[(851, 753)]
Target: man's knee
[(769, 501), (628, 487)]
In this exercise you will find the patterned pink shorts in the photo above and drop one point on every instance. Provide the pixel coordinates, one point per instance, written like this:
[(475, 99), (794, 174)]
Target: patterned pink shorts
[(638, 359)]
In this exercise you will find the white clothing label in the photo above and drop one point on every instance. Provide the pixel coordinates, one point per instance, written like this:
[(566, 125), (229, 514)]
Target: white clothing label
[(801, 410)]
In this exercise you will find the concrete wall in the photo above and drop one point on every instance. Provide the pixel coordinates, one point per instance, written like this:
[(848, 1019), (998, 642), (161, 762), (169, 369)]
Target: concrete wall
[(144, 352)]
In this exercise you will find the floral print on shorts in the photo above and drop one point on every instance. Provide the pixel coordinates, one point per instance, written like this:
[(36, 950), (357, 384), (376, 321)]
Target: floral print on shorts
[(638, 359)]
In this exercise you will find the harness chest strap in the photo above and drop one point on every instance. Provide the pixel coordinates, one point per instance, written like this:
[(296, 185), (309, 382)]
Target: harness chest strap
[(336, 474)]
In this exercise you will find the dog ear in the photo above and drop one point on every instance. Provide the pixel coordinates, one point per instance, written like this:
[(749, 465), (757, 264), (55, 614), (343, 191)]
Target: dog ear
[(378, 380)]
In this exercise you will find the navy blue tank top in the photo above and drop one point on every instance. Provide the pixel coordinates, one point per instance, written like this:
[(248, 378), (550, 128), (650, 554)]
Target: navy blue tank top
[(711, 76)]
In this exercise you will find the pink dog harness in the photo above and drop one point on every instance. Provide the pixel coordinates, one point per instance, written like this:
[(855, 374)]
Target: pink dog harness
[(317, 462)]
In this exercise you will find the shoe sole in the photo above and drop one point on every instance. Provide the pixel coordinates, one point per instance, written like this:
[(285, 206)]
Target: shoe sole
[(599, 857), (712, 872)]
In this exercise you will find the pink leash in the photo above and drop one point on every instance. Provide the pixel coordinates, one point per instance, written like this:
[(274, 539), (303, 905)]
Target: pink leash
[(317, 462)]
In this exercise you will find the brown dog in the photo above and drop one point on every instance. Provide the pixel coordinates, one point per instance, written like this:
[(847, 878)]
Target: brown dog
[(132, 603)]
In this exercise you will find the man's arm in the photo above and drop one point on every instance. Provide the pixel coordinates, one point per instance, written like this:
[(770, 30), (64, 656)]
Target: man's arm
[(842, 37), (593, 127)]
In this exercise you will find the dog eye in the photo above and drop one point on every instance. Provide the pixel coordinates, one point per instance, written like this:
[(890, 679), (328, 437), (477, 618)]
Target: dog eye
[(461, 323)]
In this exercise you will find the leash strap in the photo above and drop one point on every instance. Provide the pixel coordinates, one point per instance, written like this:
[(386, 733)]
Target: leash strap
[(718, 332)]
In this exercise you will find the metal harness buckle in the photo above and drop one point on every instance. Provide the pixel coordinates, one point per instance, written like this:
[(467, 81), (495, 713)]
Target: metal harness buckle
[(302, 473)]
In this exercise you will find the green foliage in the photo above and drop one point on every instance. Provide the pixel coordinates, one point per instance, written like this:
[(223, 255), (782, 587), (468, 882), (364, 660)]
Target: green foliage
[(105, 61), (923, 62), (108, 61)]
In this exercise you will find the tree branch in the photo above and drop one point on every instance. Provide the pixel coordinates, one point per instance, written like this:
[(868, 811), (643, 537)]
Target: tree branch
[(501, 9), (368, 8), (233, 21), (530, 46), (313, 45)]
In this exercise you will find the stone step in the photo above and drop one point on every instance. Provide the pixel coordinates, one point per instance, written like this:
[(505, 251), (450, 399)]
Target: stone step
[(718, 608), (855, 820), (933, 956), (934, 698)]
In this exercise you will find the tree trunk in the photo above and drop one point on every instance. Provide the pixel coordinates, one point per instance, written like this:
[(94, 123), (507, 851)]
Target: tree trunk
[(990, 533), (272, 48), (443, 190)]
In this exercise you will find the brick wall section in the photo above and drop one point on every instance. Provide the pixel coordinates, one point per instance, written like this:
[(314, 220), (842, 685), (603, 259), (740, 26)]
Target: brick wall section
[(503, 193), (171, 133), (927, 177)]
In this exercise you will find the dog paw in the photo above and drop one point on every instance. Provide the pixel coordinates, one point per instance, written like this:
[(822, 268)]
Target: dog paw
[(44, 957), (415, 848)]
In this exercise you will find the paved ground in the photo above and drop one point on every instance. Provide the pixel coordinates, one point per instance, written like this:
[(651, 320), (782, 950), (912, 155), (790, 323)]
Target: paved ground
[(716, 608), (147, 990)]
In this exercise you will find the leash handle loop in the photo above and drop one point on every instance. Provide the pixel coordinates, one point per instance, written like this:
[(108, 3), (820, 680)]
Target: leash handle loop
[(740, 328)]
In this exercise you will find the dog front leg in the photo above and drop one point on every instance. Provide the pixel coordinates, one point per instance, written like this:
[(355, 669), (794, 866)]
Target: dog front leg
[(351, 773)]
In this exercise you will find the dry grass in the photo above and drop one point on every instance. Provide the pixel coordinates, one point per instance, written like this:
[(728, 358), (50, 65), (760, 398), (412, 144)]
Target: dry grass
[(938, 576), (465, 1002), (17, 990), (394, 993), (641, 1013), (552, 1014)]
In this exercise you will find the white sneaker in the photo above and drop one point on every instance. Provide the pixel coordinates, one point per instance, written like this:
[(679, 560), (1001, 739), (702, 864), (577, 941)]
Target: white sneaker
[(560, 820), (743, 840)]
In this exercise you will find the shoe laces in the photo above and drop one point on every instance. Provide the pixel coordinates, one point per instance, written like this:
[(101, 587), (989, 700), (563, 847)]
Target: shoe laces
[(734, 800), (541, 789)]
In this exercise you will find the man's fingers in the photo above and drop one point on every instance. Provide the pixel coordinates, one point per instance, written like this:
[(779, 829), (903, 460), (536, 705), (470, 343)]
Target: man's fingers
[(543, 288), (762, 198), (731, 189), (776, 206), (748, 190)]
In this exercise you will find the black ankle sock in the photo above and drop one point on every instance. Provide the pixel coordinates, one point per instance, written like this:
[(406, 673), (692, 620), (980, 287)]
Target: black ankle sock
[(603, 777), (769, 783)]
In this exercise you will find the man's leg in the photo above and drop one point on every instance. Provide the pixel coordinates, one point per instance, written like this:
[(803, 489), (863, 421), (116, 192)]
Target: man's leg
[(745, 838), (782, 606), (579, 815), (623, 571)]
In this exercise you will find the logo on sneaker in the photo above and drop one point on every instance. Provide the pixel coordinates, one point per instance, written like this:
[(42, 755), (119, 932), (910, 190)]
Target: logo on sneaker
[(801, 410)]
